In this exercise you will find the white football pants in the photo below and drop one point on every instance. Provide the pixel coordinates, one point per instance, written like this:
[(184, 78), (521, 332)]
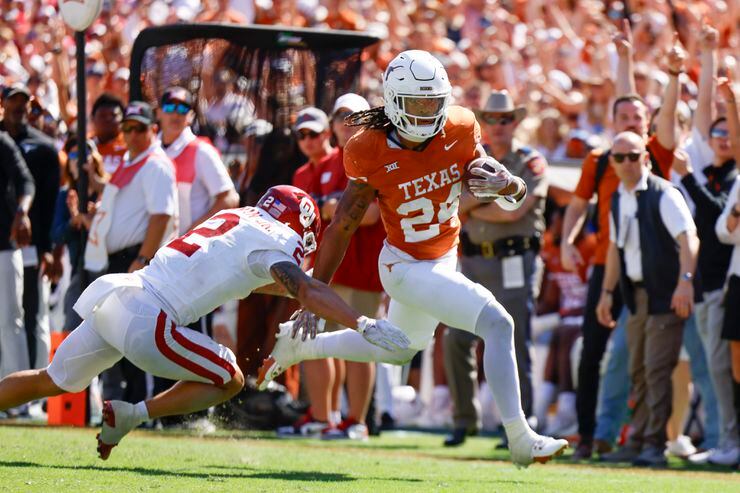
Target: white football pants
[(129, 323)]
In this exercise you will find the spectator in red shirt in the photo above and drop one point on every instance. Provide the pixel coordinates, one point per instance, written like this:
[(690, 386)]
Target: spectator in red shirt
[(357, 280), (312, 132)]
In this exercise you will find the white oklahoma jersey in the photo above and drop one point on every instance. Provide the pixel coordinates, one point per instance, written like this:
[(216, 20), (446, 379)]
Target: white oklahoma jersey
[(142, 316), (201, 270)]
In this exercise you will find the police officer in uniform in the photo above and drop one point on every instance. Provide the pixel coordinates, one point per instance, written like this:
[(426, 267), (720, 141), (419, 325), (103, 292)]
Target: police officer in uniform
[(499, 251)]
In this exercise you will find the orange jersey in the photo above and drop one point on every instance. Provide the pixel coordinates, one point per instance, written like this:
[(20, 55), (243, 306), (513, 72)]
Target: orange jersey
[(112, 152), (418, 191)]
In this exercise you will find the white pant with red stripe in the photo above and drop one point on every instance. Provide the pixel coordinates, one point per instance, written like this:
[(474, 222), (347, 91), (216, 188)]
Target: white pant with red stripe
[(129, 323)]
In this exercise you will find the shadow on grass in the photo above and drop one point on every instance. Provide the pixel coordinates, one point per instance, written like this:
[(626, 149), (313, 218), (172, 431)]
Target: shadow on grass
[(310, 475), (248, 474), (375, 478)]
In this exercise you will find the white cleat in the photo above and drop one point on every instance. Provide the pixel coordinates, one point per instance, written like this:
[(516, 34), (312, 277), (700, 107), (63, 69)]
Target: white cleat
[(531, 447), (119, 418), (285, 354)]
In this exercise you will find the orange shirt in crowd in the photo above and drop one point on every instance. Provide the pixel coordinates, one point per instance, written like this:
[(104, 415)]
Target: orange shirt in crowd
[(608, 185), (112, 152)]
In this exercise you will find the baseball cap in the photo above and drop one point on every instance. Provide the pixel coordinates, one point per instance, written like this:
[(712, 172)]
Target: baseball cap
[(351, 101), (121, 74), (311, 118), (177, 93), (97, 69), (139, 111), (16, 88)]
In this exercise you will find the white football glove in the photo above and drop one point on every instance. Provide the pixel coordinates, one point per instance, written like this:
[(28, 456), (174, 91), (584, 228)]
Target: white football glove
[(382, 334), (494, 177), (307, 323)]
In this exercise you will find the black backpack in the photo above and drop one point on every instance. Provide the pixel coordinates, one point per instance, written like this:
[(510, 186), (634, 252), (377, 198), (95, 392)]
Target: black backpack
[(251, 409)]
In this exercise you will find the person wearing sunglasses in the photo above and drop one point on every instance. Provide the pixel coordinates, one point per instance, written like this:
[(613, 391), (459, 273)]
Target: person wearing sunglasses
[(491, 238), (312, 131), (629, 112), (652, 254), (137, 213), (727, 228), (203, 183), (356, 281), (710, 196)]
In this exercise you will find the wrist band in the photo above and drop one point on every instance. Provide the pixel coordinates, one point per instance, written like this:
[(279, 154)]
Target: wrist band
[(521, 190)]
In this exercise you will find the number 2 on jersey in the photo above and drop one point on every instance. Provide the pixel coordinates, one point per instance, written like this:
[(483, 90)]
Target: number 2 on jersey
[(447, 210), (187, 245)]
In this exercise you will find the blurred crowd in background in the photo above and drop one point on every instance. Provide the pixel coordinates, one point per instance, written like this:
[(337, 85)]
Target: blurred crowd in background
[(562, 64)]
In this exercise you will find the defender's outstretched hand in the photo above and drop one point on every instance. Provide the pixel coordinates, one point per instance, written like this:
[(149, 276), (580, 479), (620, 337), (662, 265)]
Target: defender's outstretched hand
[(382, 334), (307, 323)]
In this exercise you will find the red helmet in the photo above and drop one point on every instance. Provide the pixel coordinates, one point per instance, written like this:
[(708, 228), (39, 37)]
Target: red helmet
[(294, 207)]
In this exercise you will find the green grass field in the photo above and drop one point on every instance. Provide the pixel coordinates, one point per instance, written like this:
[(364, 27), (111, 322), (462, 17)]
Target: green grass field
[(61, 459)]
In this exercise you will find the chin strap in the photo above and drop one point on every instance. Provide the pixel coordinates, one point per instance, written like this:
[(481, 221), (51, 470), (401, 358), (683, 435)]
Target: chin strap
[(412, 138)]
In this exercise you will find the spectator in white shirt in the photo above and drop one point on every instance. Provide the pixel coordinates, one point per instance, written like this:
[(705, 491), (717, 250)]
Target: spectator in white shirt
[(652, 252)]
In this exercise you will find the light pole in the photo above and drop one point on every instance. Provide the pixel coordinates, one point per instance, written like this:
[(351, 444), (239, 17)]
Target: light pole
[(79, 15)]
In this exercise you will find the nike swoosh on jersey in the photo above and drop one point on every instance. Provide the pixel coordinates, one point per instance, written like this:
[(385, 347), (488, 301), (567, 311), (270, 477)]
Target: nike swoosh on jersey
[(449, 146)]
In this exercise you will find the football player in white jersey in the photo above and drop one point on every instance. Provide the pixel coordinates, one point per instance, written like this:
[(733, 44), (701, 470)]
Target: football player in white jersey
[(142, 316)]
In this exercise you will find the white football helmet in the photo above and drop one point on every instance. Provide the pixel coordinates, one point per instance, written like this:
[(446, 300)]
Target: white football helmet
[(416, 92)]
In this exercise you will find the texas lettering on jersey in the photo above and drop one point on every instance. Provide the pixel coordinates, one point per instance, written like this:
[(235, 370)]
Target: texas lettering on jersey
[(430, 182), (419, 198)]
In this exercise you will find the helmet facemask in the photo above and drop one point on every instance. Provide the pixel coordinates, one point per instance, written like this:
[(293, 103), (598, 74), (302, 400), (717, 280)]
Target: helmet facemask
[(421, 117), (307, 218)]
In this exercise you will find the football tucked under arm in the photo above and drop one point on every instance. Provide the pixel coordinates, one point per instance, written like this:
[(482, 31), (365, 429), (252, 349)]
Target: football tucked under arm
[(488, 180)]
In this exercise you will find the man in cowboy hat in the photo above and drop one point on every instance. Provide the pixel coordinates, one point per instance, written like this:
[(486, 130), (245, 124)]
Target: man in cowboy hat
[(499, 249)]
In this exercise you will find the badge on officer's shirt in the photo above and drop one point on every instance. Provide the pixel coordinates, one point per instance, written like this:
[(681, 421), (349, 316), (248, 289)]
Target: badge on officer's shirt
[(513, 272), (537, 166)]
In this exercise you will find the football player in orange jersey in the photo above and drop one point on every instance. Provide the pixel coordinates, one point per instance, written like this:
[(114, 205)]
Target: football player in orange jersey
[(412, 154)]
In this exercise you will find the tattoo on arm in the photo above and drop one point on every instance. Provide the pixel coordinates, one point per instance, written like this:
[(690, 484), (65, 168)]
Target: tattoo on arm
[(288, 275), (355, 200)]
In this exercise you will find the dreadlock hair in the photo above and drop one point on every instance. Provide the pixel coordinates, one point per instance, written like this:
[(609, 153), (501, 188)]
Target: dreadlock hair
[(374, 118)]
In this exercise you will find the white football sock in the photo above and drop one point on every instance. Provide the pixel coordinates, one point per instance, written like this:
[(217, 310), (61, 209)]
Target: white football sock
[(496, 327), (141, 412), (350, 345)]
